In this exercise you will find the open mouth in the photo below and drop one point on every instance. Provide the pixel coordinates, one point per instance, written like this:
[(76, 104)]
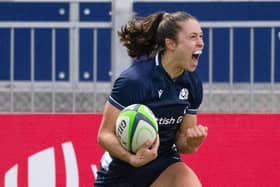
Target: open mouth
[(196, 54)]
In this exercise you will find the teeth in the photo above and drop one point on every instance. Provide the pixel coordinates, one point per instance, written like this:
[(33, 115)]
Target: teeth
[(199, 52)]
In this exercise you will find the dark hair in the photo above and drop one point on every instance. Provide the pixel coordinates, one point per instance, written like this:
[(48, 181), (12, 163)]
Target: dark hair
[(146, 36)]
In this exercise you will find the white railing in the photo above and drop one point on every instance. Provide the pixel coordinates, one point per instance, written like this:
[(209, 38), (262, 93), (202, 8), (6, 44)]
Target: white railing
[(73, 87), (251, 90)]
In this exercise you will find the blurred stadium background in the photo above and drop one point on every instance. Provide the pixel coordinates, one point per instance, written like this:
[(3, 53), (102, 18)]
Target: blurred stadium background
[(62, 56), (59, 58)]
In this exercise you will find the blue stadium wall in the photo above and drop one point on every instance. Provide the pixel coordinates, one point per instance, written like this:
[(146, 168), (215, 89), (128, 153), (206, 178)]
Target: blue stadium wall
[(204, 11)]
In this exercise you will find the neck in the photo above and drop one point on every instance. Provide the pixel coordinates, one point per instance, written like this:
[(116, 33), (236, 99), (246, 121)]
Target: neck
[(170, 66)]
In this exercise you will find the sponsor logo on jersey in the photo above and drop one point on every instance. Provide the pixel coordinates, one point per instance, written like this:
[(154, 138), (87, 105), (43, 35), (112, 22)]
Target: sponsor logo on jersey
[(169, 120), (160, 92)]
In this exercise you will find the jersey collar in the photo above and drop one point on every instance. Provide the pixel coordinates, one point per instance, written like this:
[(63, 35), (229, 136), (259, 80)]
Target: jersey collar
[(157, 59)]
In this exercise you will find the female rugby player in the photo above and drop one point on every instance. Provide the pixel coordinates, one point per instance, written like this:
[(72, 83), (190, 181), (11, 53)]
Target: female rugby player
[(166, 49)]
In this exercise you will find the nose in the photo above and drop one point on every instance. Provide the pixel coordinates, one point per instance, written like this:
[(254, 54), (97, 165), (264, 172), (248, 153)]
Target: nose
[(200, 43)]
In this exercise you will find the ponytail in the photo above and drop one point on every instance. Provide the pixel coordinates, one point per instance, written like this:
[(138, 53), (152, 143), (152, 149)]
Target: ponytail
[(146, 36), (139, 36)]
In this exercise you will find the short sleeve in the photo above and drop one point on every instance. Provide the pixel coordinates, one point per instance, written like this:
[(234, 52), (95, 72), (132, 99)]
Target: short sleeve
[(126, 92), (196, 93)]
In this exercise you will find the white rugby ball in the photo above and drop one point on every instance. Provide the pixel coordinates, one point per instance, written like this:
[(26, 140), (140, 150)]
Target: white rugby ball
[(135, 125)]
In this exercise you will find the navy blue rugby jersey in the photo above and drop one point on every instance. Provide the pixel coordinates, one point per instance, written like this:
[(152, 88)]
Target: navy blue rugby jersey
[(146, 82)]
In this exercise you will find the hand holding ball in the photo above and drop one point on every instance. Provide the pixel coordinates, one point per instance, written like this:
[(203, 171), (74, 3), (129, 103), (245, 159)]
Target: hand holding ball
[(135, 125)]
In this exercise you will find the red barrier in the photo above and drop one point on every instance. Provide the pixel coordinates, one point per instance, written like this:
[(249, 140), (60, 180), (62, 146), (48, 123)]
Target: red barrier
[(25, 137), (57, 149), (240, 150)]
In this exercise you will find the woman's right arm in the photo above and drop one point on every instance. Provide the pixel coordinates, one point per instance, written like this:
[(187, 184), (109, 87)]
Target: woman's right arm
[(109, 141)]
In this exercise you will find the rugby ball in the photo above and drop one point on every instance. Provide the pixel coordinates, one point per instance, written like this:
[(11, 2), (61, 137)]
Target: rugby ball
[(135, 125)]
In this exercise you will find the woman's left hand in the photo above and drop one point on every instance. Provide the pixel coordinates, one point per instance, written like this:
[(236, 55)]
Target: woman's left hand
[(195, 135)]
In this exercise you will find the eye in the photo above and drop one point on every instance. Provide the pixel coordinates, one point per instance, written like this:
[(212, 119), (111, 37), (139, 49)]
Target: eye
[(196, 37), (193, 36)]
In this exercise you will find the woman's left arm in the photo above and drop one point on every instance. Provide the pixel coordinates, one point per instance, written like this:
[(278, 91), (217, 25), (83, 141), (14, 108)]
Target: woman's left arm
[(190, 134)]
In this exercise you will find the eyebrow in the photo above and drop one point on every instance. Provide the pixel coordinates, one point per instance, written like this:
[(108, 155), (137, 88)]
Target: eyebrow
[(196, 33)]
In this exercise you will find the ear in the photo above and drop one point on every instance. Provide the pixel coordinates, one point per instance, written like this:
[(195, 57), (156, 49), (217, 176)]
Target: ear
[(170, 44)]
